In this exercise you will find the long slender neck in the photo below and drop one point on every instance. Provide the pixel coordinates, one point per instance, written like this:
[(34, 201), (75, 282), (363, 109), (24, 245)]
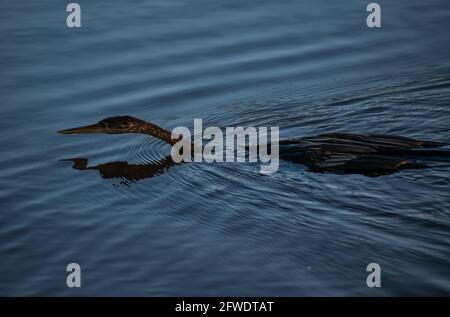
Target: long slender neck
[(162, 134), (157, 132)]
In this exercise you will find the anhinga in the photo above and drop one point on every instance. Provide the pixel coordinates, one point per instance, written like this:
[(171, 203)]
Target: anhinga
[(342, 153)]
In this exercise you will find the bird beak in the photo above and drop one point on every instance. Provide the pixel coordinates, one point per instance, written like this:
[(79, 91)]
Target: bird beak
[(94, 128)]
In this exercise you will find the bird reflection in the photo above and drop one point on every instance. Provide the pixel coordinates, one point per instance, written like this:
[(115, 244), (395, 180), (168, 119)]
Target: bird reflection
[(121, 169)]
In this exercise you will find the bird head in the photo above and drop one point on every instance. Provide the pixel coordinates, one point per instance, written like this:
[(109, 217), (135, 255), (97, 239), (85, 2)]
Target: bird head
[(112, 125)]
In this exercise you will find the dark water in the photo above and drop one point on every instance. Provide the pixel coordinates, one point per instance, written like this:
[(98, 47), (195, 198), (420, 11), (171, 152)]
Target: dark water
[(220, 229)]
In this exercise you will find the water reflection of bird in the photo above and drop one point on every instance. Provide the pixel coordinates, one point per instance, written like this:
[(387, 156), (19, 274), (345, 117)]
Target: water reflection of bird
[(130, 172), (342, 153)]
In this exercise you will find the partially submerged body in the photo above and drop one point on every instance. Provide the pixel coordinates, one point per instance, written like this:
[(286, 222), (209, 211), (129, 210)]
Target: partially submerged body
[(367, 154)]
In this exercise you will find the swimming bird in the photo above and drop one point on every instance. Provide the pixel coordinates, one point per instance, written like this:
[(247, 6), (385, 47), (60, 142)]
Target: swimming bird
[(340, 153)]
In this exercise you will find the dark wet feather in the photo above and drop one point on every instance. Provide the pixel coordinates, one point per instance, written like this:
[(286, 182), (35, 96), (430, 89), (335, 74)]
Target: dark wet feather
[(367, 154)]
